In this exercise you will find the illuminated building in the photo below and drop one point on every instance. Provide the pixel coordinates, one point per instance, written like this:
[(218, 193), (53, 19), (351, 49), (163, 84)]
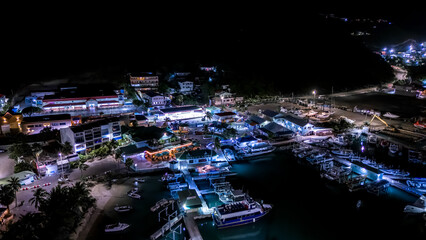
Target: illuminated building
[(33, 125)]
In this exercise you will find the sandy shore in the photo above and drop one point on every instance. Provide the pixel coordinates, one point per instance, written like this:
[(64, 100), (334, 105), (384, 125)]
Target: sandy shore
[(103, 195)]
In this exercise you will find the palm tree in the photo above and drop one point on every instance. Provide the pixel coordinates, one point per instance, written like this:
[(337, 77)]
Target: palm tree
[(6, 195), (82, 166), (209, 116), (15, 184), (217, 145), (39, 197), (128, 163)]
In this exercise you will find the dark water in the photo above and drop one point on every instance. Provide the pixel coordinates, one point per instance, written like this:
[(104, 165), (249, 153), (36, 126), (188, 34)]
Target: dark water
[(305, 207)]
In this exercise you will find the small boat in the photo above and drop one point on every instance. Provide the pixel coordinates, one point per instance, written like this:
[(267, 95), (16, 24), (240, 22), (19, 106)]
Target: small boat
[(342, 153), (339, 140), (419, 206), (116, 227), (372, 139), (134, 195), (390, 115), (323, 115), (415, 156), (420, 125), (125, 208), (395, 172), (229, 154), (140, 180)]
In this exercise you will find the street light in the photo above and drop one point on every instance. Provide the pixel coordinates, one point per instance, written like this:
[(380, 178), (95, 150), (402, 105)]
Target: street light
[(314, 92), (62, 166)]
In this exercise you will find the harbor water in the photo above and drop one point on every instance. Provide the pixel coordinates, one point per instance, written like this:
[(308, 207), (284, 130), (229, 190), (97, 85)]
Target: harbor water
[(305, 207)]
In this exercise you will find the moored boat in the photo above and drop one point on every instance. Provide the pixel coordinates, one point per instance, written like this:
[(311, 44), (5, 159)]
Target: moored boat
[(116, 227), (124, 208), (239, 213), (342, 153)]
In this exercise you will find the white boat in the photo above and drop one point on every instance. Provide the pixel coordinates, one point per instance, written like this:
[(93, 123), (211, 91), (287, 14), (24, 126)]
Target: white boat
[(390, 115), (256, 149), (342, 153), (395, 172), (323, 115), (319, 160), (239, 213), (419, 206), (125, 208), (134, 195), (311, 113), (140, 180), (339, 140), (116, 227)]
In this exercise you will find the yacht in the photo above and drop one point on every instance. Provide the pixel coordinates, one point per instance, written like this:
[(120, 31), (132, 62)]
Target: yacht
[(323, 115), (390, 115), (342, 153), (256, 149), (116, 227), (133, 193), (394, 172), (239, 213), (314, 160), (419, 206), (125, 208)]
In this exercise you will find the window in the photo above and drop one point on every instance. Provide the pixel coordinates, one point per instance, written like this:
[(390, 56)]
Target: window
[(55, 124), (62, 123), (79, 139)]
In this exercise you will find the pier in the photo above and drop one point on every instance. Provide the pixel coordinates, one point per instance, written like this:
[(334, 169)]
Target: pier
[(166, 227), (192, 227)]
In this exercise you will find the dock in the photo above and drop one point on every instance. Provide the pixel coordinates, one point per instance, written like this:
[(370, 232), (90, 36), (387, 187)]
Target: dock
[(192, 227), (166, 227)]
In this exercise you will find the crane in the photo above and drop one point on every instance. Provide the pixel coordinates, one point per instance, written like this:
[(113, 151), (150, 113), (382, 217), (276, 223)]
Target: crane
[(383, 121)]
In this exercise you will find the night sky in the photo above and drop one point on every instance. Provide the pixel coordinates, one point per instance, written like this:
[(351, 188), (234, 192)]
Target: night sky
[(50, 44)]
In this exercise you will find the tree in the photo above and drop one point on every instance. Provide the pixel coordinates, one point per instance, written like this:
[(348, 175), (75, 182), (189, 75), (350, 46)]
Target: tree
[(18, 150), (15, 184), (23, 166), (66, 148), (209, 116), (217, 145), (6, 195), (179, 99), (129, 163), (230, 132), (39, 197), (82, 166), (31, 110)]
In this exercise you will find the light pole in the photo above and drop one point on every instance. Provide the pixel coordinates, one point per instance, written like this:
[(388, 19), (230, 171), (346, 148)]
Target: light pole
[(314, 93), (62, 166)]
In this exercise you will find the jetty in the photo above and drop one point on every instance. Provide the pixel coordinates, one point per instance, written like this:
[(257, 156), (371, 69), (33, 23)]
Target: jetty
[(192, 227), (166, 227)]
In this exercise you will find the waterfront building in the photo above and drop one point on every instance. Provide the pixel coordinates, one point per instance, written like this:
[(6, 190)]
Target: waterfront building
[(91, 135), (33, 125), (255, 122), (192, 159), (269, 114), (144, 82), (275, 130), (55, 103), (225, 117), (154, 99), (294, 123), (226, 98)]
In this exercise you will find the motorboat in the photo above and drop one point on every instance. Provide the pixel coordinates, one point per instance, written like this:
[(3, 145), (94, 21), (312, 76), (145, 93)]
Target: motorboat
[(257, 149), (390, 115), (419, 206), (323, 115), (116, 227), (311, 113), (342, 153), (314, 160), (134, 195), (415, 156), (139, 180), (420, 125), (239, 213), (377, 186), (417, 183), (339, 140), (395, 172), (125, 208)]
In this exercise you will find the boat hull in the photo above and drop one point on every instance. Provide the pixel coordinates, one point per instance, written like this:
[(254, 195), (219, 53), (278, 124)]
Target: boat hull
[(239, 222)]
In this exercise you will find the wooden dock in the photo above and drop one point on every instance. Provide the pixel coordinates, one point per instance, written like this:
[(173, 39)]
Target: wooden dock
[(192, 227), (166, 227)]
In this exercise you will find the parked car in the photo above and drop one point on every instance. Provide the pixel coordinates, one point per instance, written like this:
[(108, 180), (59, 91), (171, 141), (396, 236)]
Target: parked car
[(3, 150)]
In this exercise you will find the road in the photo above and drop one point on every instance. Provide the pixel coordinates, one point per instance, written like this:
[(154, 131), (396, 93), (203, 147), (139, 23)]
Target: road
[(6, 165)]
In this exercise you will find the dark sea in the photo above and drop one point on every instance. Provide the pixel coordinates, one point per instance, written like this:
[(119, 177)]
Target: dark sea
[(305, 207)]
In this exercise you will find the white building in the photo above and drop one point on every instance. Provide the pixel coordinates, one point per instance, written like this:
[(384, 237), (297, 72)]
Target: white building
[(186, 87), (33, 125), (144, 82), (154, 99), (92, 134)]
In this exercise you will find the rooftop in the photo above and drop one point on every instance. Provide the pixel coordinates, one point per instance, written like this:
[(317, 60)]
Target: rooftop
[(180, 109), (47, 118)]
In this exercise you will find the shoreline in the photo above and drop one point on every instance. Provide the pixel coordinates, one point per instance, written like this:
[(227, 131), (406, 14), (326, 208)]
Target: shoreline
[(103, 196)]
